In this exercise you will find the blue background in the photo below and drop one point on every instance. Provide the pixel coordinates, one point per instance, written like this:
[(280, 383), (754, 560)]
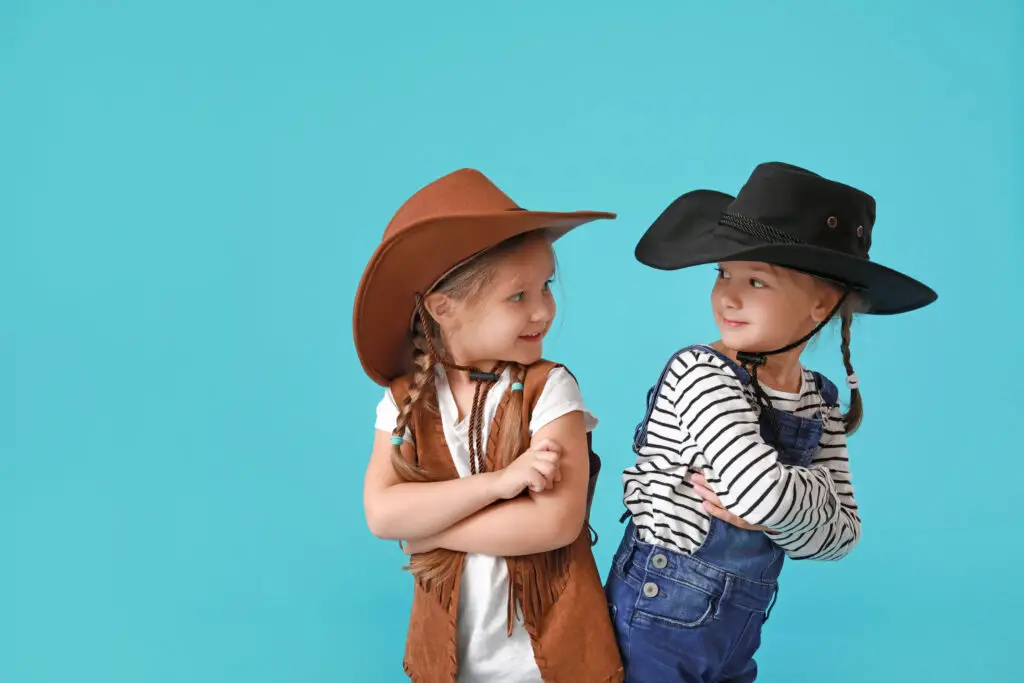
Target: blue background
[(189, 192)]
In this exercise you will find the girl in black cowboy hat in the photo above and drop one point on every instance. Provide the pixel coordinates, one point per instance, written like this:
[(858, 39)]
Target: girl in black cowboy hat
[(742, 451)]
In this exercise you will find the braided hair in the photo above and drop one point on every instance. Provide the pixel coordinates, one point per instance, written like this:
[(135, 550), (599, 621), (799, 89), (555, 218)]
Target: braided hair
[(852, 417)]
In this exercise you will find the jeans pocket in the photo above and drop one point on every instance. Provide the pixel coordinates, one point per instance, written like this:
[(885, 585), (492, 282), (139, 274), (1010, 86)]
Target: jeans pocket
[(675, 602)]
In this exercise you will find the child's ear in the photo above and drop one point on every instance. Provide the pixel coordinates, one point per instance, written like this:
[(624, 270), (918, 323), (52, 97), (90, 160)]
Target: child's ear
[(826, 300), (439, 306)]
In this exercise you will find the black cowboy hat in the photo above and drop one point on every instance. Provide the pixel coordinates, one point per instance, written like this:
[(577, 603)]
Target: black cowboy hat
[(789, 217)]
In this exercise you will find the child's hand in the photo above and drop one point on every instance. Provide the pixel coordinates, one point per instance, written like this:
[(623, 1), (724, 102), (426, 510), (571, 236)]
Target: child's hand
[(713, 506), (536, 469)]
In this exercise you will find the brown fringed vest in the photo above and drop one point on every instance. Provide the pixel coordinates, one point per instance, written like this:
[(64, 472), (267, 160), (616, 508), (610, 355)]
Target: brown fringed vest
[(558, 593)]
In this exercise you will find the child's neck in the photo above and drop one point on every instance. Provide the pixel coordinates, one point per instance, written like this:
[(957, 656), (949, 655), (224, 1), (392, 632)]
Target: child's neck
[(481, 365), (781, 371), (462, 387)]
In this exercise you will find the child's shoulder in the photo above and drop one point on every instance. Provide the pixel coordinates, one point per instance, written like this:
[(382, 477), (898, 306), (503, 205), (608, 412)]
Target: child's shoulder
[(701, 354), (546, 371), (699, 364), (550, 382), (559, 394), (544, 366), (698, 360)]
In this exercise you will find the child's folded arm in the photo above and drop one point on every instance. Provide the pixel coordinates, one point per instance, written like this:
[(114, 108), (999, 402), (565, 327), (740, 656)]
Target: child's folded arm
[(401, 510), (538, 523), (712, 409)]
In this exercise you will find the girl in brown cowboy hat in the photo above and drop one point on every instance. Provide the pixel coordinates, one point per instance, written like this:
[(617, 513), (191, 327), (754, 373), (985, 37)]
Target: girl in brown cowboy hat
[(481, 461), (741, 454)]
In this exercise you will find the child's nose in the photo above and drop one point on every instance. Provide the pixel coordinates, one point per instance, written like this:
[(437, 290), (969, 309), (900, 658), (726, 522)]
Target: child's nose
[(728, 298), (542, 312)]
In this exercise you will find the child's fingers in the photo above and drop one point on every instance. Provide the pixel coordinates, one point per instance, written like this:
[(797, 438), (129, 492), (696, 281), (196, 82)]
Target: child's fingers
[(536, 481), (721, 513), (548, 469), (705, 493), (726, 516), (547, 456), (547, 445)]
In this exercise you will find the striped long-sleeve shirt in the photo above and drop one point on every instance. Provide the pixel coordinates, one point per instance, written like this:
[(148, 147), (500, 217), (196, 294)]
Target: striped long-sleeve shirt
[(703, 420)]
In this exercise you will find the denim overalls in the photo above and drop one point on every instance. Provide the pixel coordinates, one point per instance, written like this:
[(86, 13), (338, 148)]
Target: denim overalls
[(697, 618)]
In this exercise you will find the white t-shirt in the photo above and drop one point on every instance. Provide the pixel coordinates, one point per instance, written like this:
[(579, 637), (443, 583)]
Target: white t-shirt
[(486, 652)]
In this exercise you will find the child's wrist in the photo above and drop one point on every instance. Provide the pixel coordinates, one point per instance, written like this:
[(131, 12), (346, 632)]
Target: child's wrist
[(492, 486)]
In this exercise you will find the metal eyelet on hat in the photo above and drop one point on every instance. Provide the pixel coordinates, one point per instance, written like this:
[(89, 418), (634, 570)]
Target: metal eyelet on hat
[(860, 231), (832, 221)]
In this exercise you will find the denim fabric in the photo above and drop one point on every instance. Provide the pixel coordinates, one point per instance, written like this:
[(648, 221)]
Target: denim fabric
[(697, 618), (681, 618)]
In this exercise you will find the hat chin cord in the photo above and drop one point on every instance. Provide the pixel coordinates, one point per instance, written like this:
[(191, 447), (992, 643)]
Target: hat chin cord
[(752, 360), (484, 382)]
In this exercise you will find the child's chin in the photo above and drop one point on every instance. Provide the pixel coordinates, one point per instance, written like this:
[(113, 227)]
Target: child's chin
[(740, 341), (528, 356)]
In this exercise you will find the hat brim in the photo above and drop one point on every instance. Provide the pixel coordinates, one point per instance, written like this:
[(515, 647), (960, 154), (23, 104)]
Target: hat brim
[(688, 233), (415, 259)]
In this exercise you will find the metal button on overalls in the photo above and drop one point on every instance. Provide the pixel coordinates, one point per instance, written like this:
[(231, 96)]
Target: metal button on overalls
[(650, 589), (659, 561)]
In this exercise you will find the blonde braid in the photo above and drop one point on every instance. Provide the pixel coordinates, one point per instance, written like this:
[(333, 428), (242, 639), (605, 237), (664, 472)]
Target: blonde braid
[(852, 418), (419, 388), (510, 444)]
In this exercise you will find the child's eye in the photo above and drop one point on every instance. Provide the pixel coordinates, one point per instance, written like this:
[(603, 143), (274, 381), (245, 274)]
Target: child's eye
[(757, 284), (547, 285), (722, 274), (517, 297)]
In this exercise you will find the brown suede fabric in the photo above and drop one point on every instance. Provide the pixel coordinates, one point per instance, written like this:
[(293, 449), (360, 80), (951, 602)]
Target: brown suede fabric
[(558, 593)]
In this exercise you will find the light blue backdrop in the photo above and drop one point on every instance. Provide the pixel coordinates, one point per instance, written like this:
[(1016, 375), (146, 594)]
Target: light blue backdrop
[(189, 192)]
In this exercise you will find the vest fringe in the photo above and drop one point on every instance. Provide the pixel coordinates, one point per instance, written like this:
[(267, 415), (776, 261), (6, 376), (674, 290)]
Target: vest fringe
[(436, 572)]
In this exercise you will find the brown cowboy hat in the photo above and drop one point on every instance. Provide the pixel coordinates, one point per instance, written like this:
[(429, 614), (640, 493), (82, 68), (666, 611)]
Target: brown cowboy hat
[(440, 227)]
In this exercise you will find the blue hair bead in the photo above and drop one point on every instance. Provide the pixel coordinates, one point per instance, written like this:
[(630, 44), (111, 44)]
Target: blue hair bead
[(396, 440), (517, 386)]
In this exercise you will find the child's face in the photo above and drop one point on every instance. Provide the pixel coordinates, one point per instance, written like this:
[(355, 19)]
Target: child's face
[(508, 319), (760, 307)]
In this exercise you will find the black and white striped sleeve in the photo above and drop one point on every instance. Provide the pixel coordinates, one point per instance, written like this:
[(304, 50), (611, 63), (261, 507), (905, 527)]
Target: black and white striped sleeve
[(745, 472), (834, 540)]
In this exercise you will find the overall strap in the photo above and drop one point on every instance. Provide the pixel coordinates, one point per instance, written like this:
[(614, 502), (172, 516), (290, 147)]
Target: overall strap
[(741, 373), (829, 391)]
